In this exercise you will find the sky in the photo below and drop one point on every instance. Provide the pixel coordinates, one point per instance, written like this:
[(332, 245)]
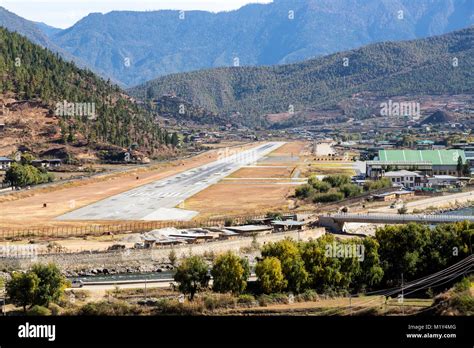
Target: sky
[(64, 13)]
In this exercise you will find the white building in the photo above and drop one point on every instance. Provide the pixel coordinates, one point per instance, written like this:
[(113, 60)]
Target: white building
[(5, 163), (403, 178)]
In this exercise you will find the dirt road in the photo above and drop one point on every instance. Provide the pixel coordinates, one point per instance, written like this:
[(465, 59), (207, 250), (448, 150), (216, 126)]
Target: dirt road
[(436, 202)]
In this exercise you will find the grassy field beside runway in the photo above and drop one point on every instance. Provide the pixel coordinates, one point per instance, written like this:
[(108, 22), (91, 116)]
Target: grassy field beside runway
[(25, 208)]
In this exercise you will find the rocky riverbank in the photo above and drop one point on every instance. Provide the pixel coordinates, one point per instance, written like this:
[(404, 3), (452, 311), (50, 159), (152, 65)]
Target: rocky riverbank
[(453, 207), (145, 268)]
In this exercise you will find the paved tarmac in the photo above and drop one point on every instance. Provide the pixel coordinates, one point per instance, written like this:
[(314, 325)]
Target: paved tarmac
[(157, 200)]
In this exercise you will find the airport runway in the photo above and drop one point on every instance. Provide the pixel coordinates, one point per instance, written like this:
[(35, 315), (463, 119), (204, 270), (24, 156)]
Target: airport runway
[(157, 200)]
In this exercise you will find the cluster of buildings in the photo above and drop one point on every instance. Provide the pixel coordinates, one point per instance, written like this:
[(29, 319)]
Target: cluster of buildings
[(421, 169), (6, 162), (173, 236)]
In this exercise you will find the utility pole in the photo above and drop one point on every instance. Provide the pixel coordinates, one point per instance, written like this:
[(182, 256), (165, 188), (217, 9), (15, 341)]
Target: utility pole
[(4, 293), (403, 298), (145, 288)]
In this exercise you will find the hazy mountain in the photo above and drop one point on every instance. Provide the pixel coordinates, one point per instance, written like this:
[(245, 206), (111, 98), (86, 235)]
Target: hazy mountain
[(437, 65), (47, 29), (159, 42), (26, 28), (39, 33)]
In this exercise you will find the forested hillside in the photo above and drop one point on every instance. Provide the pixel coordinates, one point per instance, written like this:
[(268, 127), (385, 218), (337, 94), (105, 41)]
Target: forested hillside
[(437, 65), (134, 47), (31, 73)]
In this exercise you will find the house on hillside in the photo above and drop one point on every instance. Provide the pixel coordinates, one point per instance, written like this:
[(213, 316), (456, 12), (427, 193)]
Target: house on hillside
[(47, 163), (5, 163)]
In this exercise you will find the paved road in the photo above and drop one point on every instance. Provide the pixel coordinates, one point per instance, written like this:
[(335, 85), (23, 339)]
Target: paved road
[(396, 218), (437, 202), (157, 200)]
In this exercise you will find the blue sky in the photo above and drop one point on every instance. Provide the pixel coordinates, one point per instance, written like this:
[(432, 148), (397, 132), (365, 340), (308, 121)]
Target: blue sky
[(64, 13)]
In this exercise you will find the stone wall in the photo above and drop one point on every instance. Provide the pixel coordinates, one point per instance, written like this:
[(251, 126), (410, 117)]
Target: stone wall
[(144, 259)]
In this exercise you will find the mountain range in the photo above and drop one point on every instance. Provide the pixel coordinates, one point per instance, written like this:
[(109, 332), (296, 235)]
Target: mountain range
[(50, 106), (134, 47), (436, 65)]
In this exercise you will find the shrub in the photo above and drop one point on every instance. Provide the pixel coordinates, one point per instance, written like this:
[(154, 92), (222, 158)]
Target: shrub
[(216, 301), (265, 299), (174, 307), (373, 185), (328, 197), (403, 209), (463, 285), (464, 303), (274, 215), (172, 257), (105, 308), (337, 180), (55, 309), (246, 300), (39, 311), (304, 191), (350, 190), (318, 185), (308, 295)]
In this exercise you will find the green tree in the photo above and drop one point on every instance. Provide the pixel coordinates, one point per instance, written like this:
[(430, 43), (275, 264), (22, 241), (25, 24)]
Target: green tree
[(230, 273), (337, 180), (466, 169), (192, 275), (304, 191), (51, 284), (22, 288), (318, 185), (287, 252), (371, 270), (459, 166), (23, 175), (328, 197), (350, 190), (326, 270), (270, 275), (372, 185), (174, 139), (26, 158), (401, 250)]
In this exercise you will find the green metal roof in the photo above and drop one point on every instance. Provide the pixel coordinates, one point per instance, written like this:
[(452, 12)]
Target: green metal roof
[(436, 157)]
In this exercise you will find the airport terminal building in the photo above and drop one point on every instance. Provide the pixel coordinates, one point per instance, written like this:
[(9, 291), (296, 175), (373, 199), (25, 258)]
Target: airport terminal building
[(427, 162)]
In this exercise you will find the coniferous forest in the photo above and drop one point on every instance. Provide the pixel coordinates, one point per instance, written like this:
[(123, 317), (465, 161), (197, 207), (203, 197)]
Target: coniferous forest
[(32, 73), (436, 65)]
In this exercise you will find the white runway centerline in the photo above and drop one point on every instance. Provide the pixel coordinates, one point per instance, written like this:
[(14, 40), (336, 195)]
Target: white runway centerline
[(157, 200)]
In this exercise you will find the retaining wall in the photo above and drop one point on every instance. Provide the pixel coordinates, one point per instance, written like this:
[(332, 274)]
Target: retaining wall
[(120, 259)]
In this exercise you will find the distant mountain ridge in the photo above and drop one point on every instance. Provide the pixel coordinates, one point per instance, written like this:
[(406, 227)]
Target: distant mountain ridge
[(133, 47), (39, 33), (31, 30), (437, 65), (47, 29)]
